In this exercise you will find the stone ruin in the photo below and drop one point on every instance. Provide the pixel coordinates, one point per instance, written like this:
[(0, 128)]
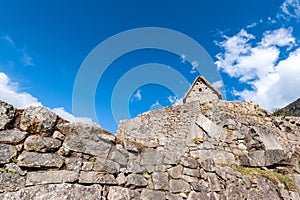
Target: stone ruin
[(211, 149)]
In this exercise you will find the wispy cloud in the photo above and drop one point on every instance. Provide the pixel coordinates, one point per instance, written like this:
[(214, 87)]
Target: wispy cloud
[(26, 59), (262, 66), (174, 100), (183, 58), (8, 39), (290, 9), (195, 64), (218, 84), (155, 106), (137, 95), (21, 52)]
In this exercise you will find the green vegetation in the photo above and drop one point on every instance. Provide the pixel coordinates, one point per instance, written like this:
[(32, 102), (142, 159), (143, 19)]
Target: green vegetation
[(277, 112), (275, 176), (11, 172), (197, 140), (14, 159)]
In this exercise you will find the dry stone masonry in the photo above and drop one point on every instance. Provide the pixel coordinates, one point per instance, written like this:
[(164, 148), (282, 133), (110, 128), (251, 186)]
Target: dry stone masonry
[(214, 150)]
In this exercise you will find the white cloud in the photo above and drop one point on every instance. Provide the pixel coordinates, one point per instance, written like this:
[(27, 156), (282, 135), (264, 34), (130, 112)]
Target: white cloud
[(218, 84), (155, 106), (66, 115), (137, 96), (182, 58), (9, 92), (252, 25), (195, 64), (274, 79), (290, 9), (174, 100)]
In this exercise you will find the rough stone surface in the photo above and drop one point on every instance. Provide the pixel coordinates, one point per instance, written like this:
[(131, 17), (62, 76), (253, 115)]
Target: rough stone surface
[(38, 120), (11, 182), (105, 165), (119, 193), (7, 113), (97, 177), (147, 194), (41, 144), (7, 152), (136, 180), (151, 157), (32, 159), (175, 172), (48, 177), (87, 146), (12, 136), (56, 191), (177, 186), (160, 180)]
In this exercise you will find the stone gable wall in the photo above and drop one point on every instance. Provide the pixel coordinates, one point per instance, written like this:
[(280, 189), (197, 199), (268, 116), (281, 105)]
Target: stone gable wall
[(201, 93)]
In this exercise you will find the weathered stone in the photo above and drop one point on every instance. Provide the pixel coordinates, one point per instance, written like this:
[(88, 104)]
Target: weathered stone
[(105, 165), (197, 196), (176, 172), (33, 159), (58, 135), (119, 193), (86, 131), (189, 162), (87, 166), (151, 157), (218, 156), (12, 136), (7, 152), (211, 129), (121, 179), (87, 146), (10, 182), (50, 177), (38, 120), (7, 114), (41, 144), (296, 177), (73, 164), (242, 147), (14, 169), (147, 194), (160, 180), (177, 186), (55, 191), (208, 164), (214, 182), (191, 172), (97, 177), (189, 179), (171, 196), (198, 187), (119, 157), (170, 157), (136, 180)]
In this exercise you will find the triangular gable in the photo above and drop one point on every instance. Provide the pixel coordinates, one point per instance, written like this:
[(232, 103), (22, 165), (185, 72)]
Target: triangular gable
[(202, 79)]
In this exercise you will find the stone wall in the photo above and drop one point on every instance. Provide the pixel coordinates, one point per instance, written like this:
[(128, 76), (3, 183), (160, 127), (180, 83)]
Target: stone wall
[(217, 150), (201, 92)]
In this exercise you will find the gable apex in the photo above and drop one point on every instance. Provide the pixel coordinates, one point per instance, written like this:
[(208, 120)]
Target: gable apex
[(213, 90)]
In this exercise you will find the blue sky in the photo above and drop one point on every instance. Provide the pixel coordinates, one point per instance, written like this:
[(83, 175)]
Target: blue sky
[(254, 45)]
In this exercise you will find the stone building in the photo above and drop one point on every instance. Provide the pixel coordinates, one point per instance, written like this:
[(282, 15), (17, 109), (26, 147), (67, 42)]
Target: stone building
[(201, 91)]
